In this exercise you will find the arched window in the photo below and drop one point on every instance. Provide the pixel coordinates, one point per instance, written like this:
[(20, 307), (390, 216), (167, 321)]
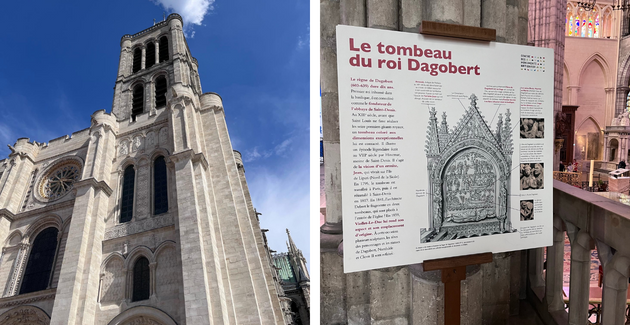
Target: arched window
[(160, 190), (137, 60), (141, 280), (163, 49), (160, 92), (137, 101), (150, 61), (126, 201), (40, 262)]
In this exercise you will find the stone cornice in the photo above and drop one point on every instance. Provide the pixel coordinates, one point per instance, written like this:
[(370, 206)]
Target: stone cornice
[(28, 298), (122, 135), (99, 185), (45, 209), (189, 154), (7, 214)]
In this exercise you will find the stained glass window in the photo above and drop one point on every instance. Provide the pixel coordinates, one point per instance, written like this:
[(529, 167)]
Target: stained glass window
[(40, 261), (582, 23)]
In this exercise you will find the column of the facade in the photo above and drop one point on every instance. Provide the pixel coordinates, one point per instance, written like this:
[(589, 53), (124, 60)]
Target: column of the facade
[(581, 245), (547, 29), (606, 148), (553, 279), (621, 95), (234, 206), (610, 106), (77, 290), (157, 51), (149, 97), (144, 59), (615, 290), (191, 236)]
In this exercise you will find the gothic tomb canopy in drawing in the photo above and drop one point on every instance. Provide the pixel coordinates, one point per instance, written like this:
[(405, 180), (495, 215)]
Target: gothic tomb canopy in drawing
[(468, 168)]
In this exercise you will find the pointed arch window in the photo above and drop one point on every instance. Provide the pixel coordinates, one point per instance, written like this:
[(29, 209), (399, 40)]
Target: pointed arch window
[(160, 189), (141, 280), (40, 261), (163, 49), (137, 103), (160, 92), (137, 60), (126, 201), (150, 54)]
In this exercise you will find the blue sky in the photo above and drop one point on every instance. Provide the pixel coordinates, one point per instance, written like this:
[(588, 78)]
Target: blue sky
[(59, 61)]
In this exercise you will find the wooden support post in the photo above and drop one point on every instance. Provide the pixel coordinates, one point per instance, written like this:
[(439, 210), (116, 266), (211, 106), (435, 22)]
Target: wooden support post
[(453, 272)]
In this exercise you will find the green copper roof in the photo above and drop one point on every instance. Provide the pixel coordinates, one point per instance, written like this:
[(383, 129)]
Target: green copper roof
[(281, 261)]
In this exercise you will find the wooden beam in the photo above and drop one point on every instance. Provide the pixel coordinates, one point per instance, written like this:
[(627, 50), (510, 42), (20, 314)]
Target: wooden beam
[(458, 31)]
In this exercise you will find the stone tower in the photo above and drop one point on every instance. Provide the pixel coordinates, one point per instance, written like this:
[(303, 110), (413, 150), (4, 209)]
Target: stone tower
[(145, 217)]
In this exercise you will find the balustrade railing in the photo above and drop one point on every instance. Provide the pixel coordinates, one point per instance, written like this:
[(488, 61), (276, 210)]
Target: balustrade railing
[(591, 222)]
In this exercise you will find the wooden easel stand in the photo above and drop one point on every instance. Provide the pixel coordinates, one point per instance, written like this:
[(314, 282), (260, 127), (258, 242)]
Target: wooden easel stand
[(453, 272)]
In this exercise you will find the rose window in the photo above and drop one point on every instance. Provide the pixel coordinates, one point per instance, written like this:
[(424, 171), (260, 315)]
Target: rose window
[(59, 181)]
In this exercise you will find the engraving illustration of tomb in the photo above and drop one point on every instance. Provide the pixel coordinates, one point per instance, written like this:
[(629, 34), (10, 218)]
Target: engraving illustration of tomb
[(469, 176)]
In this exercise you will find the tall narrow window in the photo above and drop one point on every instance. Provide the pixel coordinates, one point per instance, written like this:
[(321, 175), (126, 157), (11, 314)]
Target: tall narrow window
[(160, 192), (160, 92), (141, 280), (40, 262), (150, 61), (137, 101), (137, 60), (163, 49), (126, 201)]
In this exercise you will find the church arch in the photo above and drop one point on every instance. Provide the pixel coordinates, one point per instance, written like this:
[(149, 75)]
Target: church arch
[(150, 54), (137, 59), (142, 313), (40, 266), (25, 314), (127, 197), (112, 279), (603, 65), (589, 143), (13, 239), (160, 185), (137, 101), (164, 48), (141, 282)]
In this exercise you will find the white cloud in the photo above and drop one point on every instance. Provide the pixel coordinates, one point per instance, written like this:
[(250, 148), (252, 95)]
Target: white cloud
[(304, 40), (193, 11), (281, 148), (282, 196)]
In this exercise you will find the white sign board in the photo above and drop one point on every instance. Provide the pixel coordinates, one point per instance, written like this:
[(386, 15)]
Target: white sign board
[(444, 150)]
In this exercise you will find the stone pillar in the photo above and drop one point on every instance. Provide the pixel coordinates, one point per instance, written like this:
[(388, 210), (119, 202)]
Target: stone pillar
[(196, 291), (157, 51), (553, 280), (581, 246), (605, 158), (329, 18), (610, 105), (390, 300), (77, 290), (144, 58), (615, 289), (547, 27), (76, 298), (535, 267), (124, 65), (382, 14)]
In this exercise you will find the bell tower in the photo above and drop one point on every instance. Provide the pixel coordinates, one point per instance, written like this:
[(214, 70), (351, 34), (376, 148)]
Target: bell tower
[(154, 63)]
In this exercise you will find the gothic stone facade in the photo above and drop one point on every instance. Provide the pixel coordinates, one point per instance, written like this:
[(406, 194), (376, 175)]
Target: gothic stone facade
[(202, 252)]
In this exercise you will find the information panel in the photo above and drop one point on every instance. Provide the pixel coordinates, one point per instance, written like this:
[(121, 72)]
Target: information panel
[(444, 149)]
